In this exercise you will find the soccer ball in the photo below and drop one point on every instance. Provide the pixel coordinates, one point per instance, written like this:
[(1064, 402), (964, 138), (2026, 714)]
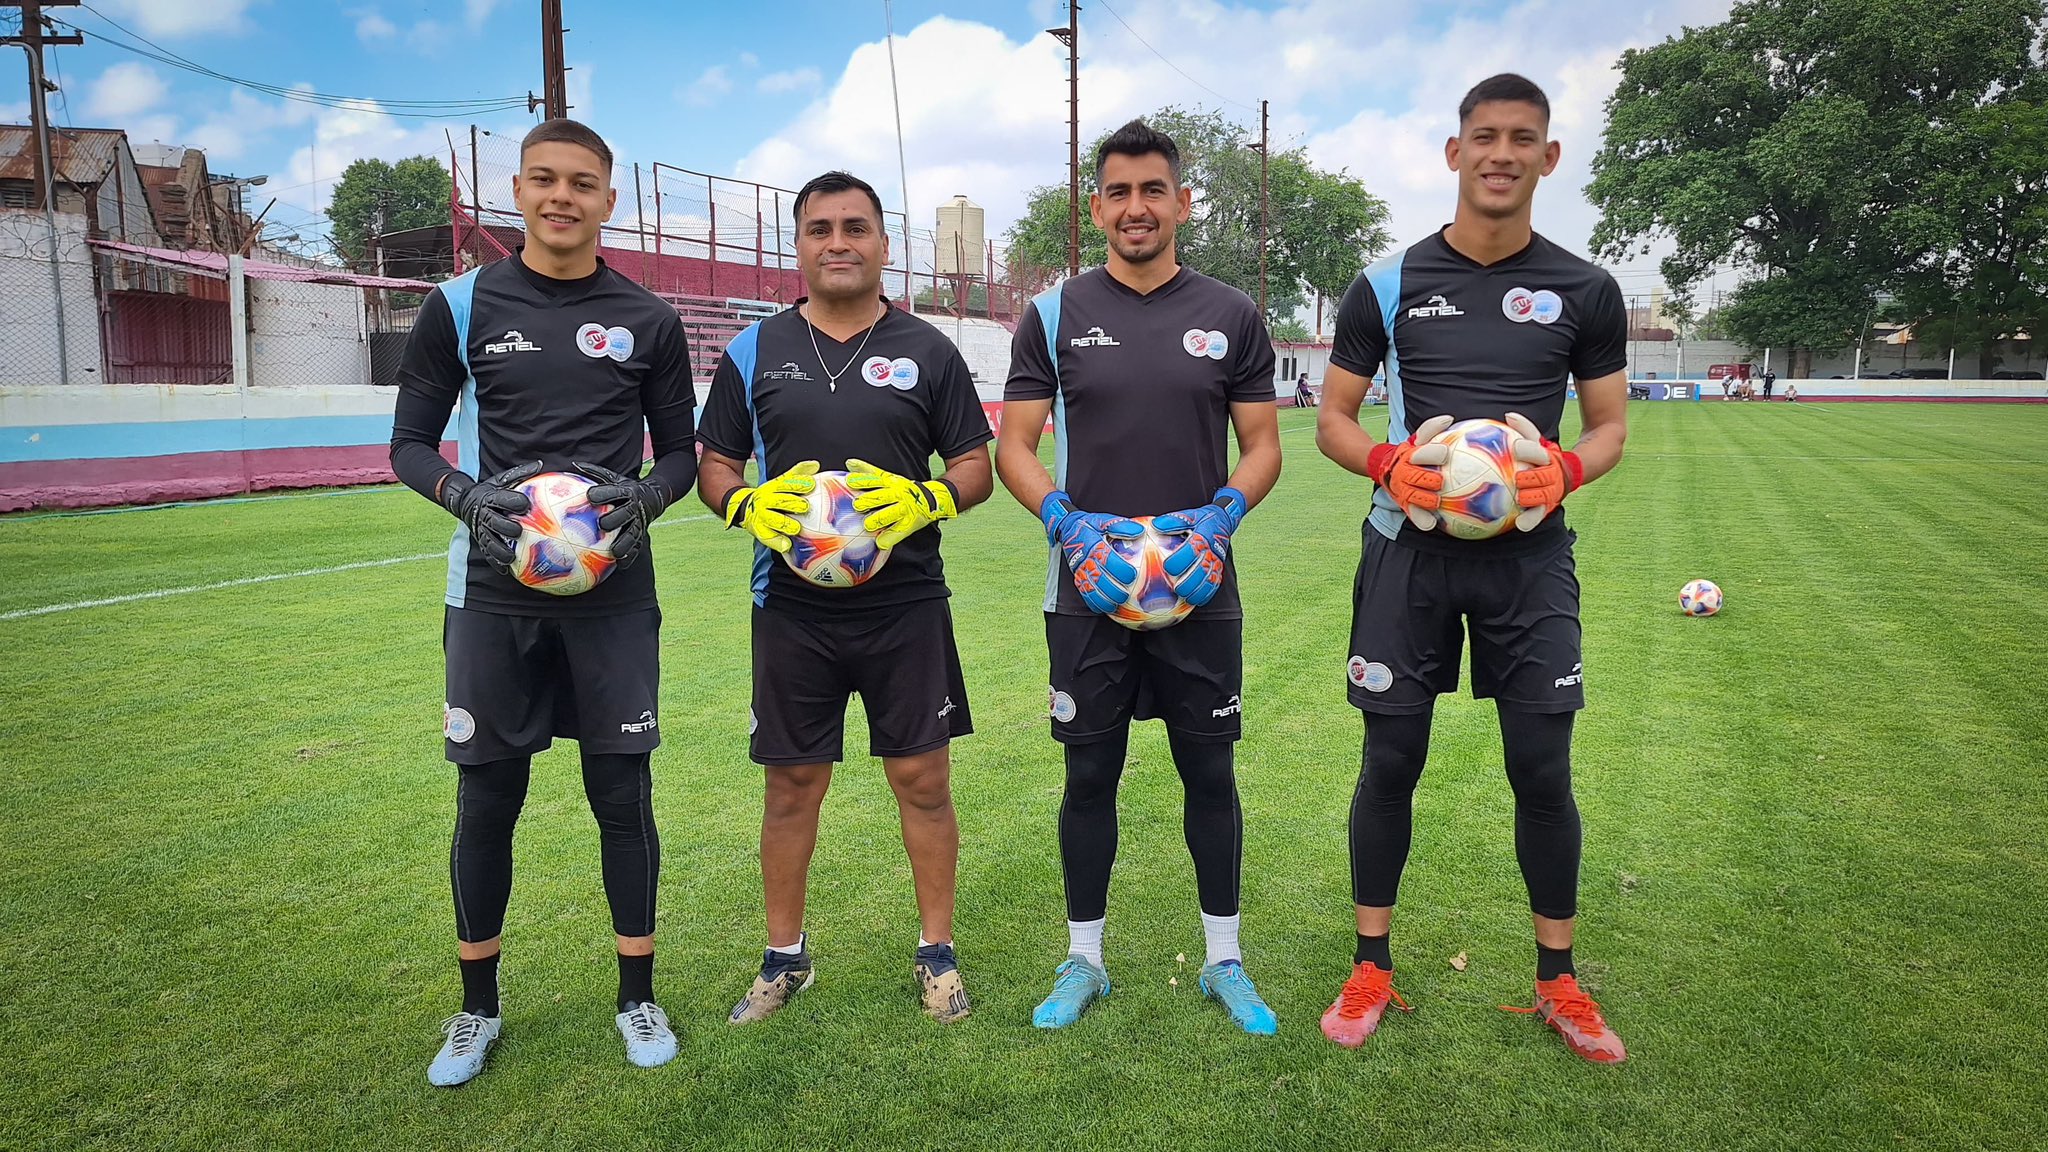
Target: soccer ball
[(834, 549), (1699, 598), (1477, 501), (561, 549), (1152, 603)]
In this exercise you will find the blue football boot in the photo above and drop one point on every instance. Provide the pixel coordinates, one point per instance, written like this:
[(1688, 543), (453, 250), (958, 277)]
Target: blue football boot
[(1076, 983), (1227, 984)]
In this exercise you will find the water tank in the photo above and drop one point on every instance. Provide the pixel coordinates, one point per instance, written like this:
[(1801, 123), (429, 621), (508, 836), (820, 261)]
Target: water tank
[(960, 247)]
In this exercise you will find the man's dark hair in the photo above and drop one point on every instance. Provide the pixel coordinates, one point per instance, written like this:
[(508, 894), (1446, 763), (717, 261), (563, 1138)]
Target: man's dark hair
[(1138, 139), (832, 182), (566, 131), (1505, 87)]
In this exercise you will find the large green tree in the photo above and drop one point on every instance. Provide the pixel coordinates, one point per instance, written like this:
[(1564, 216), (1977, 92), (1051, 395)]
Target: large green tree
[(1789, 140), (414, 193), (1325, 226)]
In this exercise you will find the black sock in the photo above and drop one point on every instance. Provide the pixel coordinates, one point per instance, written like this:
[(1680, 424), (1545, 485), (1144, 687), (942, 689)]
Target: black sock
[(1375, 949), (480, 985), (1553, 962), (636, 980)]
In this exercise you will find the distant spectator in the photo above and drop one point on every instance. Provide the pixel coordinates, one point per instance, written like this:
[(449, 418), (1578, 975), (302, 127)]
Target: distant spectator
[(1727, 383), (1304, 396), (1791, 393), (1376, 393), (1770, 379)]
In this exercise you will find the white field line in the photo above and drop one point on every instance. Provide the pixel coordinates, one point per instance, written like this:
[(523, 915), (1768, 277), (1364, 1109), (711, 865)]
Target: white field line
[(160, 593)]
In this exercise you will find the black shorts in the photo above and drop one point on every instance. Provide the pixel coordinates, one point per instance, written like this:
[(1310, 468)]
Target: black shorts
[(901, 660), (1409, 609), (517, 682), (1104, 675)]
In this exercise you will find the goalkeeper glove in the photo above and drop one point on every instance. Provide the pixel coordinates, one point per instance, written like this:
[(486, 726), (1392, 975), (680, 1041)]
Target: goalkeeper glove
[(486, 508), (1408, 471), (1196, 567), (1101, 576), (1554, 474), (634, 504), (767, 509), (898, 505)]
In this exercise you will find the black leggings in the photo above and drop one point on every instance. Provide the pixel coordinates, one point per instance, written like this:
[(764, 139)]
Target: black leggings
[(1539, 764), (488, 798), (1211, 820)]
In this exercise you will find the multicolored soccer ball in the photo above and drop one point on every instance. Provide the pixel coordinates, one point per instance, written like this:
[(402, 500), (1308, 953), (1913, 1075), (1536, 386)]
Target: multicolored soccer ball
[(561, 549), (1699, 598), (1153, 603), (1477, 501), (834, 549)]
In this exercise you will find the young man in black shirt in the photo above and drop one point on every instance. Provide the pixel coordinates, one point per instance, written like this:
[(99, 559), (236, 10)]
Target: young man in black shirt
[(552, 362), (844, 380), (1483, 319), (1143, 365)]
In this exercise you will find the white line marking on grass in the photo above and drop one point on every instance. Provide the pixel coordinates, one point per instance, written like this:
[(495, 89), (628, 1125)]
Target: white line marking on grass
[(160, 593), (1801, 459)]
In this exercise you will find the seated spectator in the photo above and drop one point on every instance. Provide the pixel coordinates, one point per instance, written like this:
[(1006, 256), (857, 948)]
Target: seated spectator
[(1791, 393)]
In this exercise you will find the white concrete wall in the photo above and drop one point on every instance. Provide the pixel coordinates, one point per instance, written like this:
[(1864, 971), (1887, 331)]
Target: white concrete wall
[(28, 312), (28, 407), (306, 335)]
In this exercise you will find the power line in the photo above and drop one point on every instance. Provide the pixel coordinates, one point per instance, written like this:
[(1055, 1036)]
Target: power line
[(136, 43), (1171, 64)]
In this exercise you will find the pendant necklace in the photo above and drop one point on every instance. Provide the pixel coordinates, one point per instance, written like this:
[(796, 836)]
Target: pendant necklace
[(831, 377)]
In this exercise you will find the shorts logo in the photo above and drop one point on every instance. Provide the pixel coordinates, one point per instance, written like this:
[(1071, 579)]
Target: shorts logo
[(753, 721), (1370, 675), (1212, 343), (1232, 707), (1436, 306), (457, 724), (1519, 305), (948, 709), (1546, 306), (645, 723), (1577, 677), (1063, 708), (880, 371), (514, 341)]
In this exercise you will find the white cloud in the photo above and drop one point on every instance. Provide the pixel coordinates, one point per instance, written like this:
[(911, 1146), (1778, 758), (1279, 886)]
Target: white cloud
[(124, 91), (152, 129), (179, 17), (579, 83), (478, 11), (356, 131), (371, 26), (427, 37), (706, 89), (794, 80), (236, 132), (749, 60)]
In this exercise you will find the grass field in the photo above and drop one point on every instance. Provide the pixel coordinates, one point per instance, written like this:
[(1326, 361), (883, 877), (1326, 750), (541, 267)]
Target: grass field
[(1813, 895)]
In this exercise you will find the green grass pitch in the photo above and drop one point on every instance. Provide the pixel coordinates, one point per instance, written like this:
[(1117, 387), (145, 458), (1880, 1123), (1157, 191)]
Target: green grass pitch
[(1813, 895)]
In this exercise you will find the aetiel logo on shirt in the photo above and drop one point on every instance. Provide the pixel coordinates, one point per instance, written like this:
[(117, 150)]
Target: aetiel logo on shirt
[(1096, 338), (1436, 306), (514, 341), (789, 371)]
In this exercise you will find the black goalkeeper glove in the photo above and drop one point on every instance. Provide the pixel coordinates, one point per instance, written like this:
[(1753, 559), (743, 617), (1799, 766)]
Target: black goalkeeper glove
[(634, 505), (487, 508)]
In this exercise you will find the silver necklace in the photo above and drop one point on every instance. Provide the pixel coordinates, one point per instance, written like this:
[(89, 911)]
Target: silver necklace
[(831, 377)]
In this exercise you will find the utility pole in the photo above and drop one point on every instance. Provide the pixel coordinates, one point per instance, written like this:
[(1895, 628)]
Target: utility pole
[(1265, 224), (554, 70), (1071, 37), (32, 41)]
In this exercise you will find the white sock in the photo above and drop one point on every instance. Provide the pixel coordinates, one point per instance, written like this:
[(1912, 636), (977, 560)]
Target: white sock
[(791, 949), (924, 943), (1221, 934), (1084, 938)]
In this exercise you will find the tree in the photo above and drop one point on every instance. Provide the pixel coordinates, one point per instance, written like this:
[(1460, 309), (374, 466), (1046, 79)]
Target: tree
[(1985, 276), (1288, 330), (414, 193), (1325, 226), (1791, 139)]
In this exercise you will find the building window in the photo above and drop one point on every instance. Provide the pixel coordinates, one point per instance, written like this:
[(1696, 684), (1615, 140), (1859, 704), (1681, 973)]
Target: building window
[(17, 194)]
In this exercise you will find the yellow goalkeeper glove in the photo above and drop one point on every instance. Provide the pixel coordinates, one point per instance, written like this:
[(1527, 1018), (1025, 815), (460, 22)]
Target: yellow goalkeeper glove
[(767, 509), (897, 505)]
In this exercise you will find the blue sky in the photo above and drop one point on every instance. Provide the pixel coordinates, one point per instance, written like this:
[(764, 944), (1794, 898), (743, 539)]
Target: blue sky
[(777, 91)]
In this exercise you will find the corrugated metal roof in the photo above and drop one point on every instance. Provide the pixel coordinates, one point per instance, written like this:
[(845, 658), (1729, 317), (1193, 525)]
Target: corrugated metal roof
[(79, 155)]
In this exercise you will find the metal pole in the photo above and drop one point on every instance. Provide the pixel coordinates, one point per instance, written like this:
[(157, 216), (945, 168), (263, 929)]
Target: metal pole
[(779, 267), (902, 168), (238, 321), (657, 212), (476, 195), (1264, 209), (554, 79), (640, 213), (1073, 138), (32, 41), (757, 241), (711, 202)]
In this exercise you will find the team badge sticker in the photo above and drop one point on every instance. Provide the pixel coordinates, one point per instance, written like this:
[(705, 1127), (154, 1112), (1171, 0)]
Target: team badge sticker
[(1546, 306), (1212, 343), (593, 341), (900, 373), (618, 344), (1063, 708), (1519, 305), (457, 724), (876, 370), (1370, 675)]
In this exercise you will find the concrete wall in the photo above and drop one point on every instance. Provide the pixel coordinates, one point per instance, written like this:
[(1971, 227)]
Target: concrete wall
[(28, 313), (1671, 360), (306, 335)]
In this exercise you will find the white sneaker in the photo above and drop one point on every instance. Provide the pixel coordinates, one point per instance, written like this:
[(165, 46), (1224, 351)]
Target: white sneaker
[(649, 1042), (469, 1039)]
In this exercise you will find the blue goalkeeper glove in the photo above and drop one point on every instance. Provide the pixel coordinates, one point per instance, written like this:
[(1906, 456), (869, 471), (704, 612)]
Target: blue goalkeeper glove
[(1196, 567), (1101, 576)]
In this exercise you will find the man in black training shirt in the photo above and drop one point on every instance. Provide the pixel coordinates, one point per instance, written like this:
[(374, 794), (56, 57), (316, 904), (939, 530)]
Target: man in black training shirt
[(552, 362), (1142, 366), (844, 381), (1483, 319)]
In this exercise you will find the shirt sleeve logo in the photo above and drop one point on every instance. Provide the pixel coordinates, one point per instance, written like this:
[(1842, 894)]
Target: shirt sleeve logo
[(1519, 305), (1212, 343), (882, 372)]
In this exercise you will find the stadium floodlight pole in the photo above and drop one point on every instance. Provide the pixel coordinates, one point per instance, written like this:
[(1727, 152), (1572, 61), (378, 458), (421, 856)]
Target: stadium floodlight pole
[(1071, 37), (31, 41)]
